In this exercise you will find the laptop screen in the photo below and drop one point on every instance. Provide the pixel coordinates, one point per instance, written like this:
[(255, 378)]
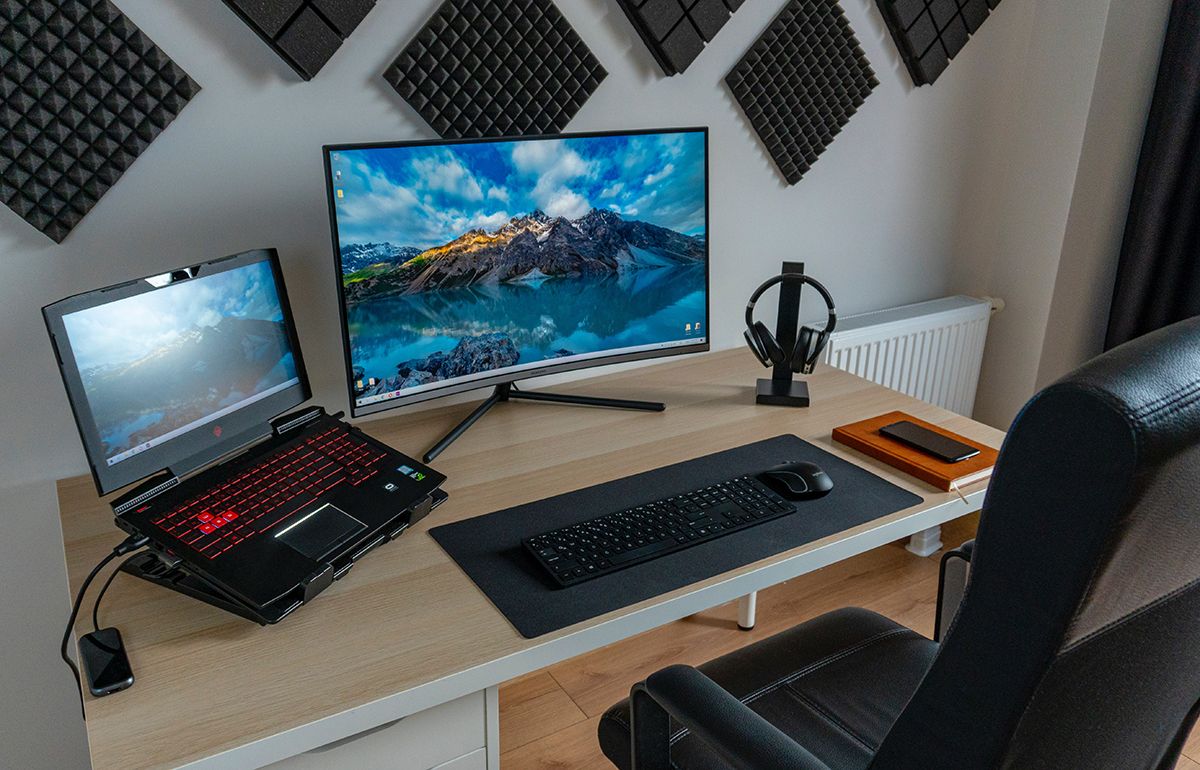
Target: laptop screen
[(177, 358)]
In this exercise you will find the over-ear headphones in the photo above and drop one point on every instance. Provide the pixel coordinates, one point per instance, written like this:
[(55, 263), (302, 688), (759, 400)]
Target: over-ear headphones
[(809, 340)]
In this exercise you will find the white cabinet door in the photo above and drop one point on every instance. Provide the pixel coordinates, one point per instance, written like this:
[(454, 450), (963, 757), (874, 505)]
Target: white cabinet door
[(435, 738), (476, 760)]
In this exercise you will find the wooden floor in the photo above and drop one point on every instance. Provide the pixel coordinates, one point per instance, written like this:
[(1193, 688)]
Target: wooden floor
[(548, 718)]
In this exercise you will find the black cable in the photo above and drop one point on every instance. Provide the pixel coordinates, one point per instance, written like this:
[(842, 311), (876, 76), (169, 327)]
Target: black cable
[(71, 623), (103, 589), (128, 544)]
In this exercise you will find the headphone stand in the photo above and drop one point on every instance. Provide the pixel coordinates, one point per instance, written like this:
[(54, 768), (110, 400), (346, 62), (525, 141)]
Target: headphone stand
[(783, 389)]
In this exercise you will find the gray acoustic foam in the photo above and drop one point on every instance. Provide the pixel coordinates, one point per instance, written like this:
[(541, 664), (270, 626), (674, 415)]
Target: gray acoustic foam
[(801, 82), (929, 33), (496, 68), (82, 94), (676, 31), (304, 33)]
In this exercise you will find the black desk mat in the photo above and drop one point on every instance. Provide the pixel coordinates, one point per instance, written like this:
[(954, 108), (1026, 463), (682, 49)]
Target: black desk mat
[(489, 550)]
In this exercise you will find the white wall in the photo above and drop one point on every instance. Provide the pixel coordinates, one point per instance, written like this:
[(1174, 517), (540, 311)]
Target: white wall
[(1107, 164), (883, 218), (1050, 187), (1023, 181)]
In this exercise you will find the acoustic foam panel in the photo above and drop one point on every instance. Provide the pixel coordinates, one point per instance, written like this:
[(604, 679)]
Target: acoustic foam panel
[(676, 31), (929, 33), (304, 33), (801, 82), (82, 94), (496, 68)]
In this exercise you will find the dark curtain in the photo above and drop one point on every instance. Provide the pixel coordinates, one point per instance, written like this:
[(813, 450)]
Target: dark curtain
[(1158, 277)]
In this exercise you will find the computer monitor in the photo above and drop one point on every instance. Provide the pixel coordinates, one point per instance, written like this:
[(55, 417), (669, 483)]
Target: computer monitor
[(174, 370), (470, 263)]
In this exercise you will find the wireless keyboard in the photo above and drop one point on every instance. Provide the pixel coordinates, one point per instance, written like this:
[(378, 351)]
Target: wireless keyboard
[(614, 541)]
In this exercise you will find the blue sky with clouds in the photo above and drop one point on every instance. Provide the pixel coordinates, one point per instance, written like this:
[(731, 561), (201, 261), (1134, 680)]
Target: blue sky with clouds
[(428, 196), (131, 328)]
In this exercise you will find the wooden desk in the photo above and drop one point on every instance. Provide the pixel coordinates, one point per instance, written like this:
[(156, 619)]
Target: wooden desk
[(406, 630)]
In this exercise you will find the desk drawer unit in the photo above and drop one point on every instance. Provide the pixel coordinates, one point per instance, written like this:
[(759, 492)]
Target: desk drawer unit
[(446, 737)]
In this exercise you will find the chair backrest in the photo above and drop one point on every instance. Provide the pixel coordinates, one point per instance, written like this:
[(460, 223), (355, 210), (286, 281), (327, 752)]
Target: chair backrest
[(1078, 641)]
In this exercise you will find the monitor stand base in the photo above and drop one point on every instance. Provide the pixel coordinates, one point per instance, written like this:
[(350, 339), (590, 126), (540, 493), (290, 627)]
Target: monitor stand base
[(508, 391)]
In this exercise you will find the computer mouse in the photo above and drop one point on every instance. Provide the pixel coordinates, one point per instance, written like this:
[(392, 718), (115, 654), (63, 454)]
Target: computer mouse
[(798, 480)]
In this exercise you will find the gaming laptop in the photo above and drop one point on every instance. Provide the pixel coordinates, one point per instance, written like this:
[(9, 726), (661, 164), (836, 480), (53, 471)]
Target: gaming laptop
[(178, 381)]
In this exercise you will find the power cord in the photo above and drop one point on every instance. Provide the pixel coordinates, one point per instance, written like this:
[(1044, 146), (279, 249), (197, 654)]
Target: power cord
[(128, 545)]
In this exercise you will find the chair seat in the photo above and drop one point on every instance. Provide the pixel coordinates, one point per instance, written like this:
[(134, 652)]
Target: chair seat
[(835, 684)]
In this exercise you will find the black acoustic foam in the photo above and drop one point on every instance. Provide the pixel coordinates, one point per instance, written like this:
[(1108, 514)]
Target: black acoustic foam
[(305, 33), (676, 31), (800, 83), (929, 33), (496, 68), (82, 94)]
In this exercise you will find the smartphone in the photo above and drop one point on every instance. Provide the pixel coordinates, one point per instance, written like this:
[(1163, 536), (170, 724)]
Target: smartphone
[(102, 654), (941, 447)]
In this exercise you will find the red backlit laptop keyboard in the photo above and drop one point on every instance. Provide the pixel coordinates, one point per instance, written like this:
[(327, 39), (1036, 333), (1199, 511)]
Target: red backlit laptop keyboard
[(256, 499)]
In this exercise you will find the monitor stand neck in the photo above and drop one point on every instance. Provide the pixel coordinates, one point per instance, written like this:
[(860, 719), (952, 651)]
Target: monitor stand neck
[(508, 391)]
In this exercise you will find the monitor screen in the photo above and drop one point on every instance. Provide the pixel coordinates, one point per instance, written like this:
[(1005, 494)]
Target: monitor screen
[(469, 263), (150, 364)]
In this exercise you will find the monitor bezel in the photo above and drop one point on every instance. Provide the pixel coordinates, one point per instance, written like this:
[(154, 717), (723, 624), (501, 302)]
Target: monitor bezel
[(198, 447), (508, 376)]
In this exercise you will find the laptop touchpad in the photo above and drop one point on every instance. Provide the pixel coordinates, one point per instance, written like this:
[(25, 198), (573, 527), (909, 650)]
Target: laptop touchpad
[(318, 532)]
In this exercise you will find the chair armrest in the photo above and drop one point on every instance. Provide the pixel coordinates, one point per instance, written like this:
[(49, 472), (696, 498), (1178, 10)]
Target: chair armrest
[(952, 585), (743, 738)]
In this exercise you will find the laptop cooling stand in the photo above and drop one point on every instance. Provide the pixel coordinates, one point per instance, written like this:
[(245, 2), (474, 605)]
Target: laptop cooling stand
[(174, 575)]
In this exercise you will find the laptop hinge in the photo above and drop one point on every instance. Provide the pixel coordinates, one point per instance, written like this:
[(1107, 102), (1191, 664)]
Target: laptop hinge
[(289, 422), (148, 489)]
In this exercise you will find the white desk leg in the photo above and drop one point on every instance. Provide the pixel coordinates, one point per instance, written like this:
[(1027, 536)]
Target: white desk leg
[(927, 542), (747, 606), (491, 709)]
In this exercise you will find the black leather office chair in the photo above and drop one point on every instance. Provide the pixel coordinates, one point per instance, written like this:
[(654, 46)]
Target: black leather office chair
[(1077, 642)]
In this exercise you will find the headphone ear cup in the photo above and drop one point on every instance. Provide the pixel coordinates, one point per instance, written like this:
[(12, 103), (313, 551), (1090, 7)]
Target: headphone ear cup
[(769, 344), (809, 344), (800, 352), (756, 347)]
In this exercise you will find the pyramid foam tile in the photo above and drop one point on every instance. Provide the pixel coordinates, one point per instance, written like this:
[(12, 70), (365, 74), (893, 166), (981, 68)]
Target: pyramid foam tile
[(496, 68), (801, 82), (304, 33), (930, 33), (676, 31), (83, 92)]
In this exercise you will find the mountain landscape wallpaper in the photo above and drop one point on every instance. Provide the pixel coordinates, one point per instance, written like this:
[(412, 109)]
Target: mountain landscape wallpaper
[(162, 360), (458, 260)]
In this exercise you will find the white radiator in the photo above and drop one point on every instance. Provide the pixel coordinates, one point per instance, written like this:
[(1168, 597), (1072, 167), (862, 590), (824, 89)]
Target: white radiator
[(931, 350)]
